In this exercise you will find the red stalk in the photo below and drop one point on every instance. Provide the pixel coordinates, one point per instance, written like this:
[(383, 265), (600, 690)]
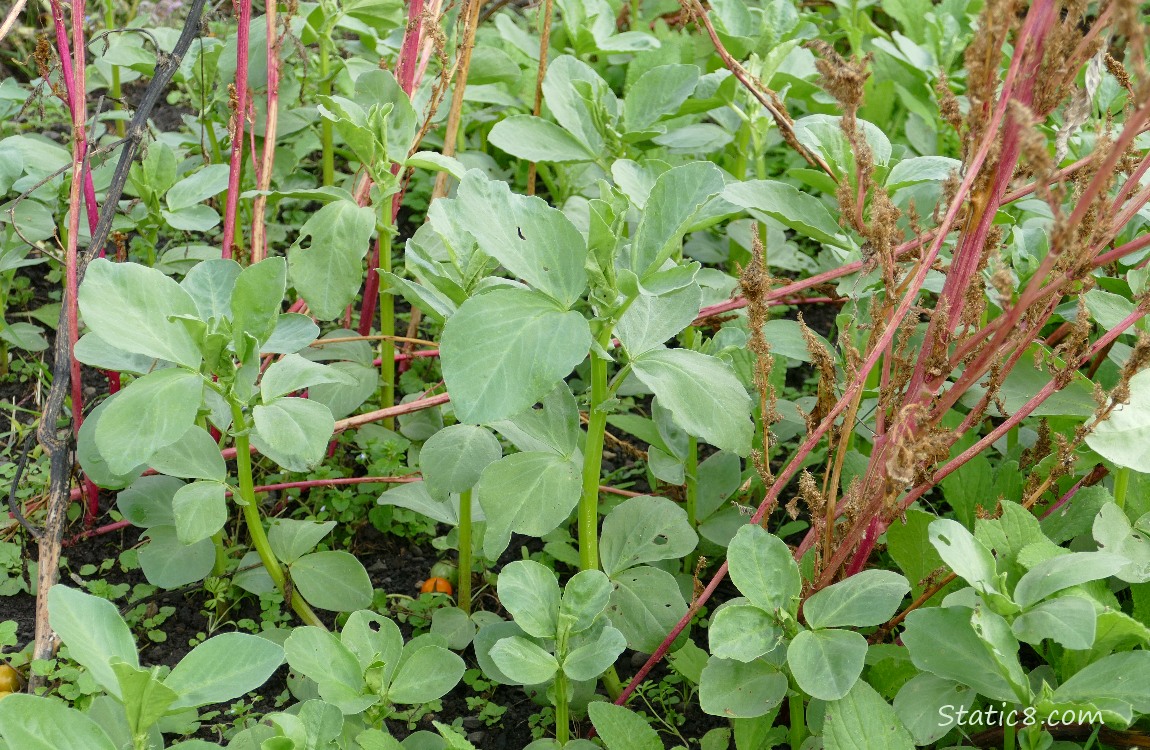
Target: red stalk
[(406, 68), (259, 249), (236, 165)]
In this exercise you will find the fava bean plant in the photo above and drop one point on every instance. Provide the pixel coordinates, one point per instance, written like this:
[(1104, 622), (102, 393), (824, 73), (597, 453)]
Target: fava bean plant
[(619, 374)]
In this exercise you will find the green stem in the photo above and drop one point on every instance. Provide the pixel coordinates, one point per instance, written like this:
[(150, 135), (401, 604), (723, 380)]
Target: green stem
[(326, 131), (221, 565), (1008, 736), (798, 719), (255, 524), (464, 598), (1121, 484), (562, 717), (593, 462), (386, 327)]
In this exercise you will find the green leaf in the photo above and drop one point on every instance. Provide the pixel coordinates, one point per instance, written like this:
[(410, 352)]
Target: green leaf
[(148, 502), (373, 638), (943, 642), (703, 394), (327, 271), (927, 705), (1062, 572), (200, 510), (554, 428), (743, 632), (735, 690), (293, 432), (319, 655), (32, 723), (869, 597), (505, 350), (529, 238), (1069, 621), (1124, 677), (762, 567), (453, 458), (94, 633), (291, 539), (651, 320), (672, 208), (294, 373), (332, 580), (169, 563), (786, 338), (592, 659), (456, 627), (1113, 532), (644, 529), (918, 169), (195, 455), (862, 720), (130, 306), (826, 663), (535, 139), (90, 458), (206, 182), (145, 698), (622, 729), (530, 593), (223, 668), (292, 333), (584, 598), (965, 555), (425, 675), (256, 300), (645, 605), (789, 206), (26, 336), (658, 93), (524, 661), (528, 493), (414, 496), (1124, 438), (152, 412)]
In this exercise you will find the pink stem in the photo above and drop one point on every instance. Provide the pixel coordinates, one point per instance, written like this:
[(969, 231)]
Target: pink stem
[(405, 69), (236, 165)]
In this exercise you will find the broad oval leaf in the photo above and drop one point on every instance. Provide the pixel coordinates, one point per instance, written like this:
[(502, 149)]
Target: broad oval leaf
[(762, 567), (870, 597), (30, 722), (827, 663), (453, 458), (291, 539), (505, 350), (862, 720), (1123, 676), (94, 633), (735, 690), (584, 598), (1124, 438), (743, 632), (965, 555), (644, 529), (621, 728), (645, 605), (528, 493), (130, 306), (152, 412), (294, 373), (1064, 571), (332, 580), (927, 706), (169, 563), (536, 139), (703, 394), (327, 271), (788, 205), (530, 593), (222, 668), (200, 510), (592, 659), (293, 432), (195, 455), (426, 675), (524, 661)]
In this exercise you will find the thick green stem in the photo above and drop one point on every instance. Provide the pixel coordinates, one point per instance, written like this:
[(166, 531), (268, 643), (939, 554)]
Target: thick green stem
[(562, 716), (326, 131), (386, 327), (1121, 484), (798, 719), (593, 463), (255, 524), (464, 598)]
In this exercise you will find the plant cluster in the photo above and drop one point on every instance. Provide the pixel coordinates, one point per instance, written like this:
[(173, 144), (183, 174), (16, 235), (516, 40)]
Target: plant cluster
[(598, 304)]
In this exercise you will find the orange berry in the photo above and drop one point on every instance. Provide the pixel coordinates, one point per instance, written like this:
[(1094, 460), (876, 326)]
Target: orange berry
[(437, 585)]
